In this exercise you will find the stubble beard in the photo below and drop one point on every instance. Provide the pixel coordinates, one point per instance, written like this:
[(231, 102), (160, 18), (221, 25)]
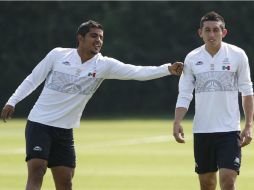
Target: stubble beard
[(94, 52)]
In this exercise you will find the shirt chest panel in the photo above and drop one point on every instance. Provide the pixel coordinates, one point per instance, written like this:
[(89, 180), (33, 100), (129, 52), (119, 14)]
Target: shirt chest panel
[(75, 68), (215, 74), (69, 76), (64, 81), (207, 64)]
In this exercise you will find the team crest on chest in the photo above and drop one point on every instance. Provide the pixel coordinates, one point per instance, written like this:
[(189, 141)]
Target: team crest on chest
[(92, 74), (226, 64), (226, 67)]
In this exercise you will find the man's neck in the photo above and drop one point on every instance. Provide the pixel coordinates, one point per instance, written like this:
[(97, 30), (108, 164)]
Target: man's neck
[(213, 50), (84, 56)]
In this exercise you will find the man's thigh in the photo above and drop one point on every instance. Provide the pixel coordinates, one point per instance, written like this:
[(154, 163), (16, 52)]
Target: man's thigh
[(62, 151), (55, 145), (38, 141), (229, 151), (204, 153)]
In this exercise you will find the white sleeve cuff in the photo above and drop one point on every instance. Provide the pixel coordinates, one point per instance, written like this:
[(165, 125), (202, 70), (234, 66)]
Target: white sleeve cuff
[(12, 101), (183, 102)]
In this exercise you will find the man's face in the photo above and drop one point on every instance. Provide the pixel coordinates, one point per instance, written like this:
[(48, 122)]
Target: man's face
[(92, 41), (212, 34)]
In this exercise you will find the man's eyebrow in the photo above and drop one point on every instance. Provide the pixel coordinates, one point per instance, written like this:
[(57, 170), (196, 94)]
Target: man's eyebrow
[(96, 33), (211, 27)]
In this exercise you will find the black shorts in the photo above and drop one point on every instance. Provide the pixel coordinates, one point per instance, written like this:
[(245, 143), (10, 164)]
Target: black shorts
[(213, 151), (56, 145)]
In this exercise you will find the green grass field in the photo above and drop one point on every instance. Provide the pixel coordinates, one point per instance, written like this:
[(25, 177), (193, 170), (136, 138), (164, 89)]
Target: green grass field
[(118, 155)]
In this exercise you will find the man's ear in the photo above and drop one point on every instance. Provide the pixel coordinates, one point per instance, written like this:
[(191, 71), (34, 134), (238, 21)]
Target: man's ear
[(200, 32), (224, 32), (79, 37)]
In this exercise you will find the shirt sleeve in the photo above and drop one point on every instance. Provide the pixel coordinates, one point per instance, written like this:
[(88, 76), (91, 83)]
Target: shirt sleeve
[(33, 80), (186, 86), (121, 71), (244, 79)]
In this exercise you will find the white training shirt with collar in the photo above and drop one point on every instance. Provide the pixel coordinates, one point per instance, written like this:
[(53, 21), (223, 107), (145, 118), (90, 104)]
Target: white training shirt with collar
[(70, 84), (217, 81)]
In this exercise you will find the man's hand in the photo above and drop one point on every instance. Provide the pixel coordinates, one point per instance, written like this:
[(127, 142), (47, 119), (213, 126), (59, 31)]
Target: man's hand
[(178, 133), (176, 68), (7, 112), (246, 136)]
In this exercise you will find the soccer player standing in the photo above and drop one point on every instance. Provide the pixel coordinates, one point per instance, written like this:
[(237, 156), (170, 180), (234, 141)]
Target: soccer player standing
[(72, 76), (217, 71)]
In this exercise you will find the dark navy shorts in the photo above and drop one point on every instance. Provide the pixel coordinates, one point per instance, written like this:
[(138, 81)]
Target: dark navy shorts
[(56, 145), (213, 151)]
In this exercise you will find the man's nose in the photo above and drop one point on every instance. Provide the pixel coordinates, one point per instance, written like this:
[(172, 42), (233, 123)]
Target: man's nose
[(98, 39), (212, 34)]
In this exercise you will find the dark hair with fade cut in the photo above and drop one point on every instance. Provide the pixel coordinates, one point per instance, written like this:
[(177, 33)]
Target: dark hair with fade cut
[(85, 27), (213, 16)]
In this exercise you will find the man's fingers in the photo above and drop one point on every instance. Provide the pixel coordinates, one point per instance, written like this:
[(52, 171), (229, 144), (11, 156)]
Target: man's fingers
[(178, 133), (7, 112), (3, 116), (245, 141), (243, 144), (178, 68), (179, 137), (246, 137)]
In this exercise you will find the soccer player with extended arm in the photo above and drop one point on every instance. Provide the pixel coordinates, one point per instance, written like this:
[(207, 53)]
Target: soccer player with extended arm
[(72, 76)]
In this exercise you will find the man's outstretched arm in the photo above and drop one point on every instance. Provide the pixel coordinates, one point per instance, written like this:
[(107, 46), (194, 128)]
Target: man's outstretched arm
[(121, 71)]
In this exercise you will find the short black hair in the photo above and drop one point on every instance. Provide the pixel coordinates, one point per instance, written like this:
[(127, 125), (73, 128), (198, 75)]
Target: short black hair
[(84, 28), (212, 16)]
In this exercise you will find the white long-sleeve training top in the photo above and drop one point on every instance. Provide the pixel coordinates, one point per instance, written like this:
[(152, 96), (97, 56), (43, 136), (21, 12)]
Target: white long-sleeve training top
[(217, 81), (70, 84)]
